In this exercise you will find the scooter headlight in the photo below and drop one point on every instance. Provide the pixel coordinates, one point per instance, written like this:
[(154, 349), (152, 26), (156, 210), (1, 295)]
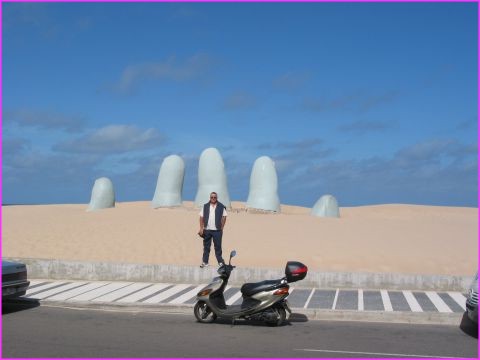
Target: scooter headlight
[(204, 292)]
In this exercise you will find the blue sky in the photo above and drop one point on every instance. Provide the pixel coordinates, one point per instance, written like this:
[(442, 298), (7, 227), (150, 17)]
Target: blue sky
[(370, 102)]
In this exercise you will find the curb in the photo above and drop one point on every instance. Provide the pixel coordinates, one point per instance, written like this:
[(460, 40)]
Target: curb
[(298, 314), (97, 271)]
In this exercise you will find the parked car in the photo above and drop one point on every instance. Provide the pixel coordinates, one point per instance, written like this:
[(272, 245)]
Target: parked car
[(14, 279), (472, 300)]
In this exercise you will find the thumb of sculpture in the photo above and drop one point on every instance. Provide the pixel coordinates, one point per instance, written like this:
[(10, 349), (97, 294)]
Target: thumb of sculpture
[(326, 206), (103, 195)]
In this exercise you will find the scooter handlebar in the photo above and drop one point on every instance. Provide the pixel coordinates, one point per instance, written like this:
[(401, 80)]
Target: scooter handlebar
[(225, 269)]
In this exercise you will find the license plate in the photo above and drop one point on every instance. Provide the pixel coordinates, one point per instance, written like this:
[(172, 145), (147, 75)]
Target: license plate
[(9, 291)]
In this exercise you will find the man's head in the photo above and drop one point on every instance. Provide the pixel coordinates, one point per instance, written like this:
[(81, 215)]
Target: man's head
[(213, 198)]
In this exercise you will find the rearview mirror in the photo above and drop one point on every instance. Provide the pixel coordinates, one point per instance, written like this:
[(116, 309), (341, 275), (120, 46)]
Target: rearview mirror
[(233, 253)]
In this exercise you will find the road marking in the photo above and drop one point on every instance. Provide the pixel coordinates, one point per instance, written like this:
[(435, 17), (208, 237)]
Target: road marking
[(35, 282), (309, 298), (166, 294), (59, 289), (142, 293), (92, 294), (459, 299), (360, 300), (123, 292), (234, 298), (379, 354), (438, 302), (335, 300), (75, 292), (187, 296), (412, 302), (45, 287), (117, 294), (387, 305)]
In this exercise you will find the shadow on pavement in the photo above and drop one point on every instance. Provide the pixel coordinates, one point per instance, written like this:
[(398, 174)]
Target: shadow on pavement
[(468, 326), (295, 317), (243, 322), (14, 305)]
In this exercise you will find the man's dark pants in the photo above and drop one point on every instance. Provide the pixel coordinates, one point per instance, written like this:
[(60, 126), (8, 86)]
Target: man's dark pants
[(216, 235)]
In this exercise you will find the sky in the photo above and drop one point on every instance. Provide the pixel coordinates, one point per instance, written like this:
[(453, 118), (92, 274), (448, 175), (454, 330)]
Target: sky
[(373, 103)]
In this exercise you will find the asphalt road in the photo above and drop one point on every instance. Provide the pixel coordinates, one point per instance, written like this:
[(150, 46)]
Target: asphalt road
[(30, 330)]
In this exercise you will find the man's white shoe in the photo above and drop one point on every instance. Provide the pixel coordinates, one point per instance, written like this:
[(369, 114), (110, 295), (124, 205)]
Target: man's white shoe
[(204, 265)]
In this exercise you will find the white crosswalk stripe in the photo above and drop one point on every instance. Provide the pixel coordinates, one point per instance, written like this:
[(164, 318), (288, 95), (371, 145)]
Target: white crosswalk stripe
[(360, 300), (154, 293), (234, 298), (44, 287), (438, 302), (35, 282), (387, 305), (412, 302), (309, 298), (57, 290), (142, 293), (74, 292), (334, 305), (99, 291), (188, 295), (166, 294), (114, 295), (459, 299)]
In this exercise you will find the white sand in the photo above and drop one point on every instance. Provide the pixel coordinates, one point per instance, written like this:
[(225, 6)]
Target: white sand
[(385, 238)]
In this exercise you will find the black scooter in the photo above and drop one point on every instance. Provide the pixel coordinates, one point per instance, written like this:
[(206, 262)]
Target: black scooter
[(262, 301)]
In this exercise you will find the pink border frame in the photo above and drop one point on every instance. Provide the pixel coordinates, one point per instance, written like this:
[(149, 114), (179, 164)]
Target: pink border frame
[(272, 1)]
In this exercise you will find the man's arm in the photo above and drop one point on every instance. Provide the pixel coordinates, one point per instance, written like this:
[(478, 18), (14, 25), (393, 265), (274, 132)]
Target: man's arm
[(224, 220), (200, 232)]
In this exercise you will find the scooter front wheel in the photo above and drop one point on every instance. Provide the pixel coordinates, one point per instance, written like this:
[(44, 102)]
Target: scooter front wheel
[(203, 313)]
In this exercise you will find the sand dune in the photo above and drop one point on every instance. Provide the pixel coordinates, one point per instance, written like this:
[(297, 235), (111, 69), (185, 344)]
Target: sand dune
[(384, 238)]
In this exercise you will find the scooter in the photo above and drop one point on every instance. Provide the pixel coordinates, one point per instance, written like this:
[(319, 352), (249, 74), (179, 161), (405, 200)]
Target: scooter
[(262, 301)]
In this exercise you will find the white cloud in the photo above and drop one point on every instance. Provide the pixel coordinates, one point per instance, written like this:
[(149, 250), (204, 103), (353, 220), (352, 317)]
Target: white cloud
[(240, 100), (170, 69), (113, 139), (13, 146), (358, 101), (45, 120), (291, 81), (433, 151), (365, 126), (437, 171)]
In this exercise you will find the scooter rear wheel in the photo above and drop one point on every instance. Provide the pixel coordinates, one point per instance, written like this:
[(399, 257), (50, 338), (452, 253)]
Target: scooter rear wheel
[(281, 316), (203, 313)]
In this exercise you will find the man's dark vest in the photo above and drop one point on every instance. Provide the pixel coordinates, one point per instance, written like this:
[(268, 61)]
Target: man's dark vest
[(218, 214)]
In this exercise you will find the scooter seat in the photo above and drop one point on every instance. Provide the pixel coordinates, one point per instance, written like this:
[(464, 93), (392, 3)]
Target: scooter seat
[(250, 289)]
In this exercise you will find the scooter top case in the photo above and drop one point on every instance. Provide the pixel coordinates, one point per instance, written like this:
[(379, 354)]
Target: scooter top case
[(295, 271)]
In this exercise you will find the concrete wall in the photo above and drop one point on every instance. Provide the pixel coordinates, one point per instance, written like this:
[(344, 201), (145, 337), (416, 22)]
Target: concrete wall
[(76, 270)]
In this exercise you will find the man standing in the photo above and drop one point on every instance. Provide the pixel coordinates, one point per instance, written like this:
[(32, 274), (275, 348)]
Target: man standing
[(213, 216)]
